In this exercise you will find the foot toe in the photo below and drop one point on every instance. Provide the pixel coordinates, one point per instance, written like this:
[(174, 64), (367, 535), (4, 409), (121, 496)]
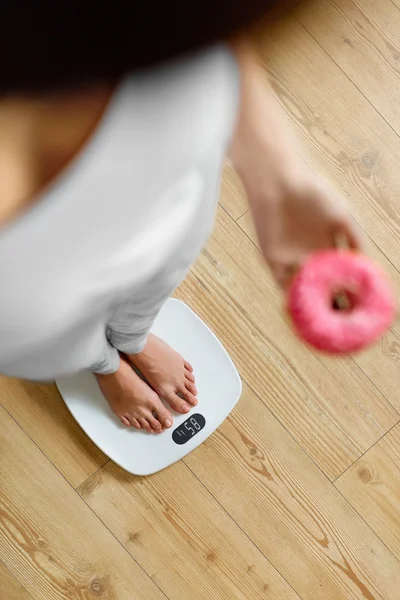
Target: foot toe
[(189, 397), (189, 376), (177, 403), (145, 424), (154, 423), (163, 415), (191, 388), (188, 366), (132, 421), (125, 421)]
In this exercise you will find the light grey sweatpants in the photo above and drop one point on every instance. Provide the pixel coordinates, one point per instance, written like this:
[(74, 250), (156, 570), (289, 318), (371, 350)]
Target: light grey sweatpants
[(85, 271), (129, 323)]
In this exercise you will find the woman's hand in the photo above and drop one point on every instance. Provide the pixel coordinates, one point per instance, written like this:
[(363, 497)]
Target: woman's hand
[(305, 216)]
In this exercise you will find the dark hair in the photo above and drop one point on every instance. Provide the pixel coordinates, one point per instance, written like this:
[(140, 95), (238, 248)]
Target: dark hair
[(45, 44)]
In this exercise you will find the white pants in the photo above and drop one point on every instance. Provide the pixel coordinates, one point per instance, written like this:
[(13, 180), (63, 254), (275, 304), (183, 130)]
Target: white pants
[(86, 270), (129, 324)]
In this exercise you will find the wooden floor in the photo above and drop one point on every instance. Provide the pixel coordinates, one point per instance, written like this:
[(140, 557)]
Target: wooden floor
[(297, 495)]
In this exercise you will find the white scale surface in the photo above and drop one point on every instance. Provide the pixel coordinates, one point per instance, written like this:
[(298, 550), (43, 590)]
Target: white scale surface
[(218, 384)]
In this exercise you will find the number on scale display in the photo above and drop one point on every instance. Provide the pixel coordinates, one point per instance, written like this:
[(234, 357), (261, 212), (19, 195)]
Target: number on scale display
[(188, 429)]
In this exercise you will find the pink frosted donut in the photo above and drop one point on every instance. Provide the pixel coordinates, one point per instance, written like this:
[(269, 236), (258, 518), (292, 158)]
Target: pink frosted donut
[(316, 286)]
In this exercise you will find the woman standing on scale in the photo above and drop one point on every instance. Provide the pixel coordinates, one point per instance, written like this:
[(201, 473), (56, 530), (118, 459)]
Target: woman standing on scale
[(113, 131)]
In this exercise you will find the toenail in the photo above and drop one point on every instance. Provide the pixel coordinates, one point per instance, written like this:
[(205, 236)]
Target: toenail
[(185, 408), (167, 423)]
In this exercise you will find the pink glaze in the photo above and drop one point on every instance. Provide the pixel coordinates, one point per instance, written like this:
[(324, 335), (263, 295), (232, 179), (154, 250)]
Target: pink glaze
[(311, 295)]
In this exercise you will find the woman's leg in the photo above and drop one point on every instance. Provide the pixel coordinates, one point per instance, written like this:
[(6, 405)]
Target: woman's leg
[(129, 397), (168, 374), (108, 361)]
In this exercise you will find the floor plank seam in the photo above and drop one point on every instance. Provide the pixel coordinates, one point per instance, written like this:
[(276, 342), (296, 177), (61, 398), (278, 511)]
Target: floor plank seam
[(47, 457), (123, 547), (38, 447), (364, 453), (347, 77), (366, 17), (394, 4), (16, 578), (362, 518), (332, 482), (242, 530), (245, 213), (316, 465), (84, 501), (90, 476)]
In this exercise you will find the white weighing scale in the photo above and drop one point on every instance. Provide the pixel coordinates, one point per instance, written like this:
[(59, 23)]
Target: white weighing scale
[(219, 389)]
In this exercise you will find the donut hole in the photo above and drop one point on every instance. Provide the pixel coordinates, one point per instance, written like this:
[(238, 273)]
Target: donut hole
[(343, 301)]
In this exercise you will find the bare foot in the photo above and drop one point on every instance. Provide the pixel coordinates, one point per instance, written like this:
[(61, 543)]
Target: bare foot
[(133, 401), (168, 374)]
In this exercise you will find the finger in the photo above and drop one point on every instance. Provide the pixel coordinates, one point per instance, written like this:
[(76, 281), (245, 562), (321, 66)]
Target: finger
[(352, 233), (285, 273), (356, 236)]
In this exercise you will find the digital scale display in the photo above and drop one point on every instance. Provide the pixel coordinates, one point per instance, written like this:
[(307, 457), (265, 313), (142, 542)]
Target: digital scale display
[(188, 429)]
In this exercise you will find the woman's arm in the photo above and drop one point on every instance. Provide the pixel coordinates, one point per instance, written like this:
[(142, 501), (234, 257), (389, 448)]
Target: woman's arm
[(295, 211)]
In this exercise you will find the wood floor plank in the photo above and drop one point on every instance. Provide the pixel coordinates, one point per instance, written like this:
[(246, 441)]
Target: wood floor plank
[(178, 533), (41, 412), (381, 363), (372, 486), (291, 511), (342, 135), (232, 196), (383, 18), (50, 540), (251, 514), (10, 587), (328, 405), (362, 37)]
